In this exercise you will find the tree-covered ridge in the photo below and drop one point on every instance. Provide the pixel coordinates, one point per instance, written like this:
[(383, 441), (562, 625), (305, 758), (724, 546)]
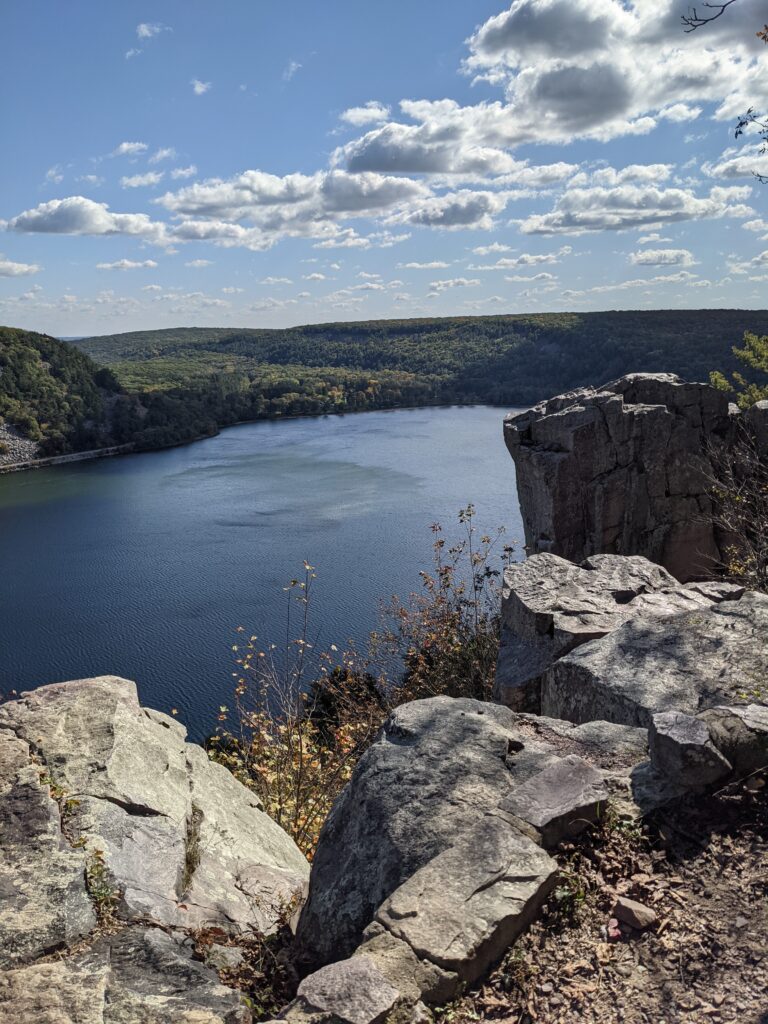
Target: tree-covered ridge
[(515, 359), (52, 392)]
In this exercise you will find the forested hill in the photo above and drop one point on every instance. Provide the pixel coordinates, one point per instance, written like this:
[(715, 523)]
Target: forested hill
[(52, 392), (510, 360), (154, 388)]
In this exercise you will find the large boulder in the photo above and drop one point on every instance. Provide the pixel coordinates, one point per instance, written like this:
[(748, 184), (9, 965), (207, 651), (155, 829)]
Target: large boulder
[(118, 841), (622, 469), (688, 663), (87, 772), (433, 859), (551, 606)]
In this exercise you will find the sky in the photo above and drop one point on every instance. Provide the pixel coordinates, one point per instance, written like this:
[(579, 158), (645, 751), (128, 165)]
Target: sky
[(259, 164)]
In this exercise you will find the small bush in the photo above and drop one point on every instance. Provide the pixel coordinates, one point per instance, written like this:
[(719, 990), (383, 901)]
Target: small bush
[(301, 720)]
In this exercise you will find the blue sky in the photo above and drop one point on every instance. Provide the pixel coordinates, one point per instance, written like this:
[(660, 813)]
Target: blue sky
[(255, 164)]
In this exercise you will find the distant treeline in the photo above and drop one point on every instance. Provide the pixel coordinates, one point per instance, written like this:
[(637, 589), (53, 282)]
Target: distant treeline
[(162, 387)]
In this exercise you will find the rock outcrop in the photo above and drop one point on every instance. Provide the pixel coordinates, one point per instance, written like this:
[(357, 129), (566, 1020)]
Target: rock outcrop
[(624, 469), (435, 857), (104, 804), (551, 606)]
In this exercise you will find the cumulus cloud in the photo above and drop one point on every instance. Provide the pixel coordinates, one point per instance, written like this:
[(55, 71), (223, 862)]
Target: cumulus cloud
[(433, 265), (91, 179), (681, 277), (168, 153), (542, 277), (127, 265), (130, 149), (526, 259), (77, 215), (315, 277), (276, 280), (141, 180), (486, 250), (581, 210), (184, 172), (54, 175), (739, 163), (200, 88), (653, 237), (436, 287), (662, 258), (455, 210), (371, 112), (290, 70), (10, 269), (198, 264)]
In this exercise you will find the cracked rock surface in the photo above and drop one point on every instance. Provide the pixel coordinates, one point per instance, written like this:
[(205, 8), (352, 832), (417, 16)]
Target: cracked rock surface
[(433, 859), (550, 606), (86, 772), (621, 469)]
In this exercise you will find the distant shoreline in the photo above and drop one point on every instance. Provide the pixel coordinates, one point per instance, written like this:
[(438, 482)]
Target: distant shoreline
[(130, 449)]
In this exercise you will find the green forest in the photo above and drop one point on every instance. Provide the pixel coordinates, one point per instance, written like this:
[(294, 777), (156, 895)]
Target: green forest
[(155, 388)]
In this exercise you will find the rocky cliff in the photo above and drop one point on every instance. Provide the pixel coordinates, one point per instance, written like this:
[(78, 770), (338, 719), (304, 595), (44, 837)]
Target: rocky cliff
[(625, 469)]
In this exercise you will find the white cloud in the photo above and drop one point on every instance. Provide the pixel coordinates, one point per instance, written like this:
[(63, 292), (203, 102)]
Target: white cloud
[(486, 250), (147, 30), (198, 264), (141, 180), (200, 88), (184, 172), (54, 175), (453, 211), (130, 149), (77, 215), (526, 259), (231, 290), (436, 287), (152, 288), (127, 265), (133, 52), (742, 162), (169, 153), (581, 210), (662, 258), (681, 277), (433, 265), (653, 237), (91, 179), (543, 276), (290, 70), (276, 280), (371, 112), (10, 269), (315, 277)]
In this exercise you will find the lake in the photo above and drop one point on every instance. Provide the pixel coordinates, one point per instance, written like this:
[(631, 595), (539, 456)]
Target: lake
[(142, 566)]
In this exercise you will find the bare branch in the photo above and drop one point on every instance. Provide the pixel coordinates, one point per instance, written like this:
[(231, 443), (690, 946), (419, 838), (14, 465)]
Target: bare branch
[(694, 20)]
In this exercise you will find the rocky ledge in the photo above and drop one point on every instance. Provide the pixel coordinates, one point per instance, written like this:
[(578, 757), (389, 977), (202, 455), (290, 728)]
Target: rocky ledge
[(105, 807), (625, 469)]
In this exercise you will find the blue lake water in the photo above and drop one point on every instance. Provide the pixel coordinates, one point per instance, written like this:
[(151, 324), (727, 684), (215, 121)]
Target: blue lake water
[(143, 566)]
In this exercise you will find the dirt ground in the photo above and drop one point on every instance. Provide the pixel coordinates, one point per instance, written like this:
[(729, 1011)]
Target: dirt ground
[(703, 869)]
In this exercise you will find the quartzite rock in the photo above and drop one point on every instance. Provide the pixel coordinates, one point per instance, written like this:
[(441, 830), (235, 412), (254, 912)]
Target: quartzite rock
[(551, 606), (741, 735), (465, 907), (689, 663), (184, 843), (424, 842), (135, 975), (622, 469), (44, 904), (348, 992), (681, 748)]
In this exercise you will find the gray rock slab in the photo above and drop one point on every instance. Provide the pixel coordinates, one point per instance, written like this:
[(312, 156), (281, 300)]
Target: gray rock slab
[(689, 663), (741, 734), (44, 904), (415, 979), (681, 748), (185, 844), (559, 801), (551, 606), (136, 975), (465, 907), (347, 992)]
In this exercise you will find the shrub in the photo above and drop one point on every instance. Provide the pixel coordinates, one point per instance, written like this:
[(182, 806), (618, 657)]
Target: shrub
[(301, 720)]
